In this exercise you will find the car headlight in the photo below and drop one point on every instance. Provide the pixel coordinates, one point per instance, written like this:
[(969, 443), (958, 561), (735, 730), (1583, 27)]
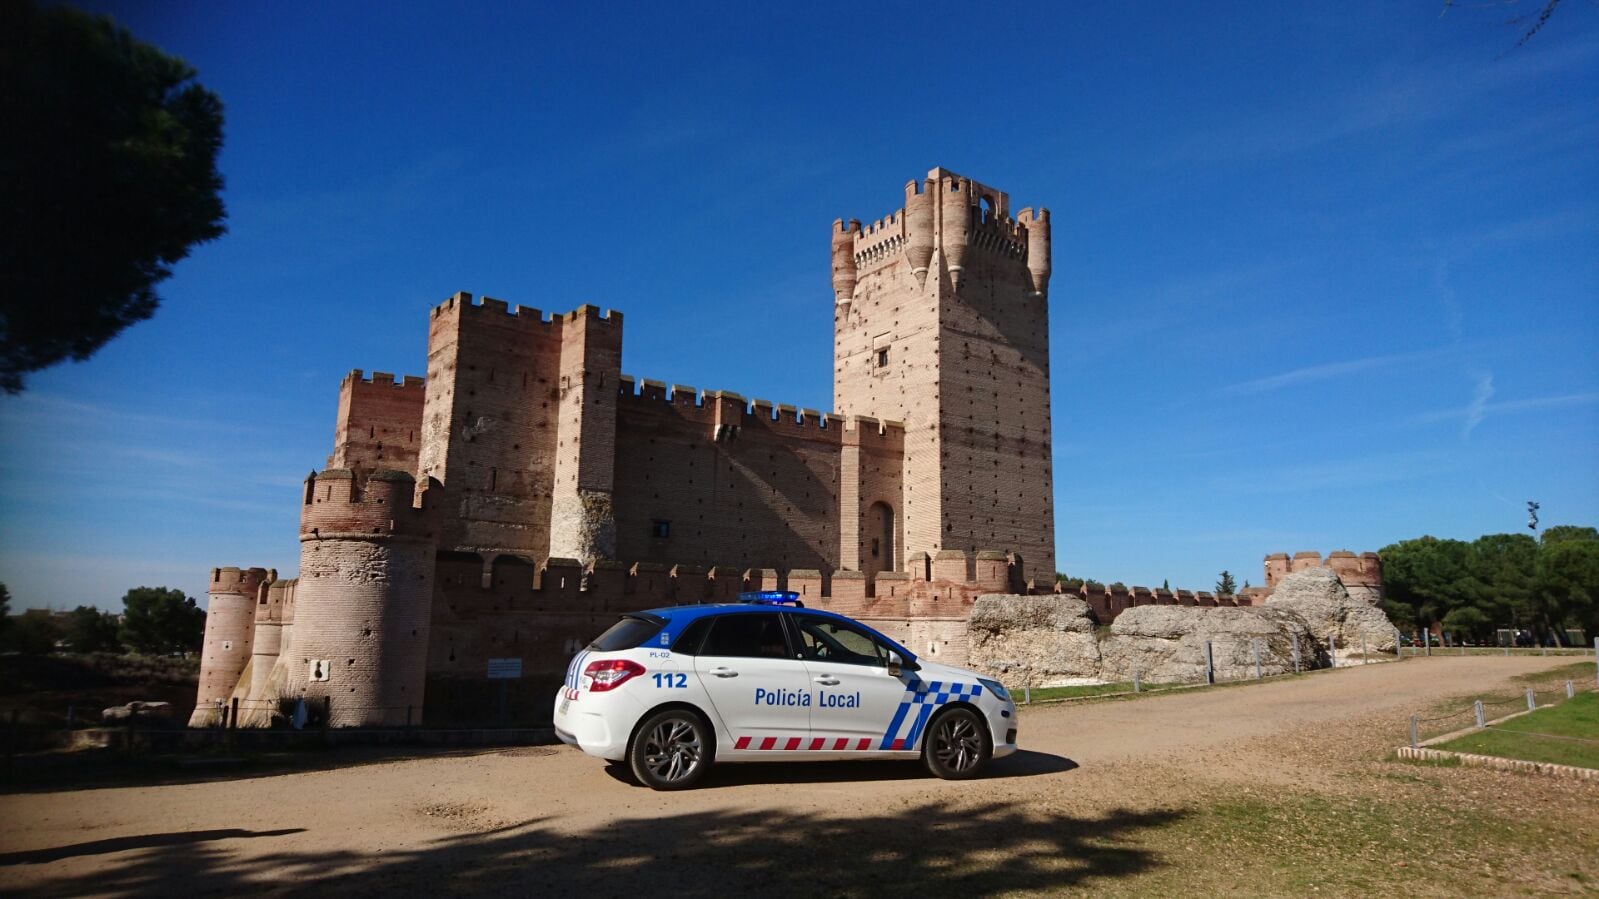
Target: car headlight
[(997, 688)]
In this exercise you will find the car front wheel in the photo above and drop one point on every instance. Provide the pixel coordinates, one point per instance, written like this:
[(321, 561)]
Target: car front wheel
[(958, 745), (671, 750)]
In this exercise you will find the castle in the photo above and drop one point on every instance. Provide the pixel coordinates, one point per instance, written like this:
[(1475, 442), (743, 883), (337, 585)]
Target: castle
[(508, 505)]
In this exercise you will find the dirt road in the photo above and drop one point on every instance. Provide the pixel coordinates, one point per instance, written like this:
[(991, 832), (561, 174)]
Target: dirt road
[(1098, 799)]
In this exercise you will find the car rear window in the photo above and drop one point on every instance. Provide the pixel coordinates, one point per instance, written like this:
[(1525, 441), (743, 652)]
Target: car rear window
[(629, 633)]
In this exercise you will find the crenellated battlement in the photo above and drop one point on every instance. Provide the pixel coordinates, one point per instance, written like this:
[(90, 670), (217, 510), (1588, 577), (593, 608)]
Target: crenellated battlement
[(1361, 574), (382, 379), (240, 581), (384, 505), (462, 304)]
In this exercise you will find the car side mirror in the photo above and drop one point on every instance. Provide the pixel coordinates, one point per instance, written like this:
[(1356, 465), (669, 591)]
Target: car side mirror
[(896, 664)]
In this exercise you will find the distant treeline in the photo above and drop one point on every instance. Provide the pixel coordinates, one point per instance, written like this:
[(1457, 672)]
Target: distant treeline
[(1545, 585), (154, 621)]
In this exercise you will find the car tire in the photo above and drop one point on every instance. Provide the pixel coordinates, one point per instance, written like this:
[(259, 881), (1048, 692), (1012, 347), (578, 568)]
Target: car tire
[(671, 749), (958, 745)]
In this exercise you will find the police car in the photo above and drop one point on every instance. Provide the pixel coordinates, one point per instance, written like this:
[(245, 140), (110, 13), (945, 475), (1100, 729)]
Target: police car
[(668, 691)]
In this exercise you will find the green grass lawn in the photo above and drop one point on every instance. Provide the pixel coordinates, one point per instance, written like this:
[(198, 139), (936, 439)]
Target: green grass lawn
[(1575, 720)]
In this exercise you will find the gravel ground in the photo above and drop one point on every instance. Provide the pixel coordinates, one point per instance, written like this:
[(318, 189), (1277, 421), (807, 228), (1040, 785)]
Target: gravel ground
[(1281, 788)]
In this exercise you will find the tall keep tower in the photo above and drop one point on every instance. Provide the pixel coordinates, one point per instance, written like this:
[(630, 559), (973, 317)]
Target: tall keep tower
[(941, 321)]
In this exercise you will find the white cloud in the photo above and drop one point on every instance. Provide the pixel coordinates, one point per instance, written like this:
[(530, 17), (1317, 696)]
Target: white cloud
[(1329, 370)]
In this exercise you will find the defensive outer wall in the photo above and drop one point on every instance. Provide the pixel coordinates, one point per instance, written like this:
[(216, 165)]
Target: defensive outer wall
[(509, 504)]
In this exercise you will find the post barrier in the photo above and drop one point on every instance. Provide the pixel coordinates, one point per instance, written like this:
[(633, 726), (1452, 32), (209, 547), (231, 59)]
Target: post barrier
[(1210, 664), (1365, 658), (1255, 645), (1414, 731), (233, 716), (1596, 660), (1399, 647), (1426, 639), (1138, 686), (1476, 708), (1027, 692), (1332, 651), (1571, 689), (1532, 704), (1296, 654)]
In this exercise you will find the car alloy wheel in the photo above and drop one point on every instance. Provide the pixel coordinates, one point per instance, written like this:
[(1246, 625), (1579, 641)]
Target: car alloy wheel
[(958, 746), (671, 750)]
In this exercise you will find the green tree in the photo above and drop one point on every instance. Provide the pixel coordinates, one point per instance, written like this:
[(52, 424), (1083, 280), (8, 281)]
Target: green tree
[(34, 632), (161, 620), (1165, 585), (1561, 533), (1505, 569), (1429, 575), (1568, 581), (107, 175), (1467, 621), (90, 630), (1068, 582), (1225, 585)]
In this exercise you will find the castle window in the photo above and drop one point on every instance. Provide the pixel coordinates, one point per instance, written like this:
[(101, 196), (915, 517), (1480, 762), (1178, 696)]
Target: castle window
[(660, 529)]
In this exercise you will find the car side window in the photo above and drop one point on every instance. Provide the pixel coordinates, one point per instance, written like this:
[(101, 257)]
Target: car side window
[(750, 635), (688, 643), (823, 639)]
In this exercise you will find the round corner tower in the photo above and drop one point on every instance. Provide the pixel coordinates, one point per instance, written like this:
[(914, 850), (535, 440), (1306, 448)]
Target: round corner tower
[(363, 601), (229, 637)]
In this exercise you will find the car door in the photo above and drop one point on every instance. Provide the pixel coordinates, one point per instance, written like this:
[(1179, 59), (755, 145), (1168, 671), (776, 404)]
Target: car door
[(858, 705), (760, 689)]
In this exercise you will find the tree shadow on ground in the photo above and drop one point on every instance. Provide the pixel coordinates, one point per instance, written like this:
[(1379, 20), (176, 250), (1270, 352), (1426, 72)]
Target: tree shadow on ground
[(931, 849), (94, 769)]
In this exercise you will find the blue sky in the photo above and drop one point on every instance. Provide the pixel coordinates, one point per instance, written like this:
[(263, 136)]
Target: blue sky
[(1326, 275)]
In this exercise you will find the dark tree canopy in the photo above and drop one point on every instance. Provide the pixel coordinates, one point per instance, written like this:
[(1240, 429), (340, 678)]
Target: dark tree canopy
[(160, 620), (91, 630), (1497, 581), (108, 177)]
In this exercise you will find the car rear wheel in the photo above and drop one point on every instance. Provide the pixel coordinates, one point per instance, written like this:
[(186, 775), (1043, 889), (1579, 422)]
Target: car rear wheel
[(671, 750), (958, 745)]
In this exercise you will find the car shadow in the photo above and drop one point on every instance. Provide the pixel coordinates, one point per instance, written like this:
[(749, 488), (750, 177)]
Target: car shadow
[(1022, 763)]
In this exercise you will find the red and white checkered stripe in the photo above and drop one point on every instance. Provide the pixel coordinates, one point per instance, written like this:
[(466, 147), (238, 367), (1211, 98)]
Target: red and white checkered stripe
[(805, 744)]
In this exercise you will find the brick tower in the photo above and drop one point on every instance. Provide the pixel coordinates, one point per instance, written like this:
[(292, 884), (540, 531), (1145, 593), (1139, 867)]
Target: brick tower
[(364, 598), (229, 637), (941, 321)]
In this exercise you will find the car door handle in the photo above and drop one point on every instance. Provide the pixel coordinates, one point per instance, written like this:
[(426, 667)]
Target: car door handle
[(827, 680), (724, 672)]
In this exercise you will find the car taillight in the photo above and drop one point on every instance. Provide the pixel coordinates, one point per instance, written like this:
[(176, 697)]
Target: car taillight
[(608, 674)]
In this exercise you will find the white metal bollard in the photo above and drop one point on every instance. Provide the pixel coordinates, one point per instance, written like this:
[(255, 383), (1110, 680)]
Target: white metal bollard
[(1332, 653), (1255, 644), (1296, 655), (1532, 704), (1364, 658), (1476, 707), (1571, 689), (1426, 639), (1399, 648), (1138, 686), (1414, 728)]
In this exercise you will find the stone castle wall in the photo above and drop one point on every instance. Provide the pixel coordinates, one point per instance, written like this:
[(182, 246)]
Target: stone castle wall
[(379, 423)]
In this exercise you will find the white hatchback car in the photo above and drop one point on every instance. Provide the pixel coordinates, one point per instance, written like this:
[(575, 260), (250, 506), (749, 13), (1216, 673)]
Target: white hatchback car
[(671, 690)]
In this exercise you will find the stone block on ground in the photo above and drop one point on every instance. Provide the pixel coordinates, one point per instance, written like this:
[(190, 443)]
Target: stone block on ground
[(1048, 637)]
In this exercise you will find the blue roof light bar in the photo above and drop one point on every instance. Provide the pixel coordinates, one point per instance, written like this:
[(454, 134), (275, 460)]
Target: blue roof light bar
[(771, 598)]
